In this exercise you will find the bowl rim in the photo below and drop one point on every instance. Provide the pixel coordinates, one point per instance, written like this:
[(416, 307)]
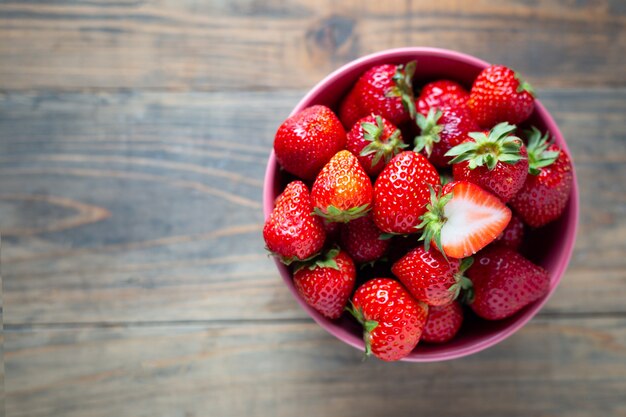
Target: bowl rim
[(570, 237)]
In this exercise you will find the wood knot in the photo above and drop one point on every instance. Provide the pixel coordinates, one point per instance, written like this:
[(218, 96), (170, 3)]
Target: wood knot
[(331, 42)]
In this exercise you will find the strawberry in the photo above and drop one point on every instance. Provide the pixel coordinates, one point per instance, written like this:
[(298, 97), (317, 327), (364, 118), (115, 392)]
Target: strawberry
[(291, 232), (391, 318), (362, 240), (463, 219), (386, 90), (441, 93), (342, 191), (401, 192), (332, 230), (326, 284), (306, 141), (545, 193), (430, 277), (441, 129), (374, 141), (497, 161), (349, 110), (443, 323), (504, 282), (513, 236), (500, 95)]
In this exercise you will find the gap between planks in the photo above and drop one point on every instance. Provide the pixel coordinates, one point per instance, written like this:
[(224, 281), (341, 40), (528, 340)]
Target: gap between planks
[(25, 327)]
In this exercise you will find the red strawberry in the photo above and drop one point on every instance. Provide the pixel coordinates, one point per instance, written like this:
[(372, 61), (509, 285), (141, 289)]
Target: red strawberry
[(386, 90), (332, 231), (374, 141), (513, 236), (463, 220), (504, 282), (306, 141), (327, 283), (546, 191), (441, 129), (500, 95), (342, 191), (392, 319), (361, 239), (497, 161), (349, 110), (291, 231), (441, 93), (430, 277), (401, 192), (443, 323)]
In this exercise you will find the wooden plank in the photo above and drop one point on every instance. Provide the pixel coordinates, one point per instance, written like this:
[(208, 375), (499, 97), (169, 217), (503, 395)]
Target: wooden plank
[(250, 45), (574, 367), (146, 206)]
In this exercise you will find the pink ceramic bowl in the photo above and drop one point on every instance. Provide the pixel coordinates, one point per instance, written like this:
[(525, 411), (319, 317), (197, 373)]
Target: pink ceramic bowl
[(550, 247)]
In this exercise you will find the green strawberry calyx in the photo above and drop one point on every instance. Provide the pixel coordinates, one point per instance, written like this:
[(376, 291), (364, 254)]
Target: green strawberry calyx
[(403, 80), (538, 154), (324, 260), (381, 149), (462, 282), (368, 326), (523, 85), (288, 260), (499, 145), (334, 214), (430, 131), (433, 220)]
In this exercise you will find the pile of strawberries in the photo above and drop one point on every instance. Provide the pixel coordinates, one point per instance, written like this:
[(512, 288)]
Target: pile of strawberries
[(437, 190)]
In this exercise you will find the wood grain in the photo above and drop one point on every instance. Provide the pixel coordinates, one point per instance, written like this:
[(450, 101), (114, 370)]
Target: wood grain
[(574, 367), (172, 247), (250, 45)]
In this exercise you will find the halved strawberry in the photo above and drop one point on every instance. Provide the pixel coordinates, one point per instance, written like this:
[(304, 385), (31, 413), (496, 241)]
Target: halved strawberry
[(463, 219)]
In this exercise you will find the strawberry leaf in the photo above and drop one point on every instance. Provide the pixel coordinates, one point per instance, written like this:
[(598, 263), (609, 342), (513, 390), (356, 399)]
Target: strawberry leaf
[(487, 150), (523, 85), (538, 155), (430, 131)]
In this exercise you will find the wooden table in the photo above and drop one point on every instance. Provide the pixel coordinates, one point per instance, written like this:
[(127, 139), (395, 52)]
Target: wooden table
[(133, 142)]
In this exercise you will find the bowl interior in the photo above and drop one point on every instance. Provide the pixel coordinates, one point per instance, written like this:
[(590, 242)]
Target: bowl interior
[(550, 247)]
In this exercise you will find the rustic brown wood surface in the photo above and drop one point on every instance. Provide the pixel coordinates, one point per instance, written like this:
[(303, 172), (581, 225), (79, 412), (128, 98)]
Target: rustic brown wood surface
[(133, 143)]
